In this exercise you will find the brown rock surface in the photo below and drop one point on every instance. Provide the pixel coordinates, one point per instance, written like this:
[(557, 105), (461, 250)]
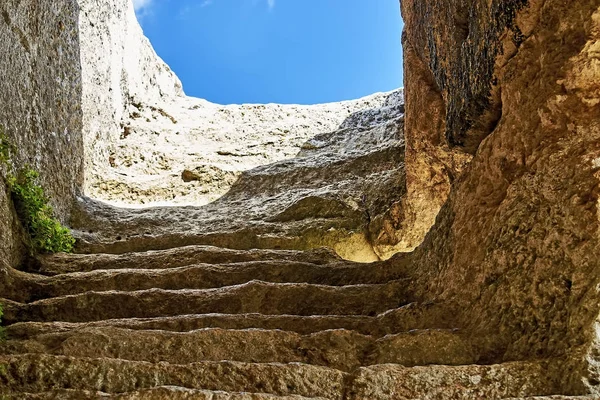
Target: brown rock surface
[(516, 244)]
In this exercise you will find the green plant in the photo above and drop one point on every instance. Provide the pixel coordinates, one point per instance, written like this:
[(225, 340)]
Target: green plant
[(6, 148), (2, 332), (45, 232)]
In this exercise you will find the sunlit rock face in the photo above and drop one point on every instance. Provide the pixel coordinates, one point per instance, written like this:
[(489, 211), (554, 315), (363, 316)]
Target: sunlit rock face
[(331, 189), (303, 175), (148, 143), (515, 247), (120, 68)]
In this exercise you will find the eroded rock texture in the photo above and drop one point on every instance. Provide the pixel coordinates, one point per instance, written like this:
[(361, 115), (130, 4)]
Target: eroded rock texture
[(335, 192), (40, 101), (500, 301), (147, 143), (515, 246)]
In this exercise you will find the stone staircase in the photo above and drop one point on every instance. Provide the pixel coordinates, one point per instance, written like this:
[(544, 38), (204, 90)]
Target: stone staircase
[(201, 322)]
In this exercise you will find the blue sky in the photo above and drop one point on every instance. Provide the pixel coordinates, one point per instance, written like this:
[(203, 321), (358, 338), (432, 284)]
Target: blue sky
[(280, 51)]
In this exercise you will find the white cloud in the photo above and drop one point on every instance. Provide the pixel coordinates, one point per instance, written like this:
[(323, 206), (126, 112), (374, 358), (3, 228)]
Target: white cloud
[(139, 4)]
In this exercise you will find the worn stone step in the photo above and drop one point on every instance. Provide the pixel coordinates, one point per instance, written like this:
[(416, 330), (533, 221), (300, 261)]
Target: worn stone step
[(34, 373), (558, 397), (172, 258), (340, 349), (161, 393), (403, 319), (204, 276), (439, 382), (251, 297), (295, 235), (38, 373)]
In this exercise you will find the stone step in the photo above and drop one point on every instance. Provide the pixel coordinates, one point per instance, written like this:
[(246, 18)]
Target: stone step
[(517, 380), (252, 297), (160, 393), (339, 349), (38, 373), (558, 397), (295, 235), (204, 276), (172, 258), (409, 317)]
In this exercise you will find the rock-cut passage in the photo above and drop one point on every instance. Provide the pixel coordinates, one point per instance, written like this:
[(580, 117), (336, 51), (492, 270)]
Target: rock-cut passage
[(253, 296)]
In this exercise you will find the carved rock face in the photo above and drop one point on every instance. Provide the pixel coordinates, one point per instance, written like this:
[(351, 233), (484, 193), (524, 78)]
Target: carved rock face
[(40, 93), (516, 244)]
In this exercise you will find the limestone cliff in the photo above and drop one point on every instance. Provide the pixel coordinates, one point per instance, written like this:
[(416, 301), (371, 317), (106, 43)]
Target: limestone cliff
[(119, 68), (148, 143)]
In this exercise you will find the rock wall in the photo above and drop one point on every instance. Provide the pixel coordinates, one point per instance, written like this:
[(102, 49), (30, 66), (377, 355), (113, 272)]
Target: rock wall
[(120, 68), (40, 96), (146, 143), (515, 249)]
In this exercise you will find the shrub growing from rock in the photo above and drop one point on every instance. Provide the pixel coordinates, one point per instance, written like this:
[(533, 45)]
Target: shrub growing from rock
[(46, 234)]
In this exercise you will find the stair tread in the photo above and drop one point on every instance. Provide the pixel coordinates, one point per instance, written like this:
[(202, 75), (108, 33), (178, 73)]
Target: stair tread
[(38, 373), (175, 257), (556, 397), (250, 297), (48, 372), (339, 349), (406, 318), (205, 276), (159, 393), (520, 379)]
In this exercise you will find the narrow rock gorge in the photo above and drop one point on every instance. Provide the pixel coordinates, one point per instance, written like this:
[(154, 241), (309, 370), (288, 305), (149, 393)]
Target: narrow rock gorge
[(436, 242)]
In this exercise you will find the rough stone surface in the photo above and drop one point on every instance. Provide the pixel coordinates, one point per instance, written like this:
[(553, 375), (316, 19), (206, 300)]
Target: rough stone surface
[(161, 393), (322, 197), (340, 349), (118, 376), (516, 243), (447, 383), (119, 68), (502, 136), (41, 104), (198, 158)]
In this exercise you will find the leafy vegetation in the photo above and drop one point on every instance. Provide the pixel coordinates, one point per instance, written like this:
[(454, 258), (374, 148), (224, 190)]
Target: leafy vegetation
[(6, 148), (45, 232), (2, 332)]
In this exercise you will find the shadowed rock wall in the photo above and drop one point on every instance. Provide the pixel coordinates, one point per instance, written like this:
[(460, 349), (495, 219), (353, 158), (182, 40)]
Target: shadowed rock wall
[(516, 246), (40, 97)]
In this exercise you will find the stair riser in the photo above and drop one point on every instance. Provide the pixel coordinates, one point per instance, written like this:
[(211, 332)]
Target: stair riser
[(407, 318), (392, 382), (168, 393), (39, 374)]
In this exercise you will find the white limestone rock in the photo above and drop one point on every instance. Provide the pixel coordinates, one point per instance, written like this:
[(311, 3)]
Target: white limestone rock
[(142, 133)]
